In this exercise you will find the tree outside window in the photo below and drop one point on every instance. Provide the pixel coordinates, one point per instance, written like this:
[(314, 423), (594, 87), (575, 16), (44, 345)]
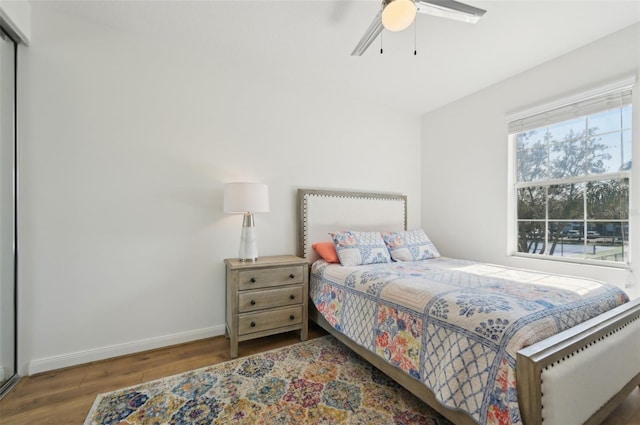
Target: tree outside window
[(572, 187)]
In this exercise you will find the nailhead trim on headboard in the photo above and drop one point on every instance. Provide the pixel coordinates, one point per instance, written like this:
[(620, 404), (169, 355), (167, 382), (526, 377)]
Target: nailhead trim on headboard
[(305, 194)]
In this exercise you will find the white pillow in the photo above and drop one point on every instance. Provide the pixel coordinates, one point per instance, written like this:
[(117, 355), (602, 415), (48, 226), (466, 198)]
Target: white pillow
[(358, 248), (411, 245)]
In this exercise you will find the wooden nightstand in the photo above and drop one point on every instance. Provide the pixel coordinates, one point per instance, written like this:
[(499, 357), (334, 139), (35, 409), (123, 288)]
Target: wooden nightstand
[(266, 297)]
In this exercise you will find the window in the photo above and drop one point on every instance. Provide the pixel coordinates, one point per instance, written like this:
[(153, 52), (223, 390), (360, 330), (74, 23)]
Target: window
[(572, 177)]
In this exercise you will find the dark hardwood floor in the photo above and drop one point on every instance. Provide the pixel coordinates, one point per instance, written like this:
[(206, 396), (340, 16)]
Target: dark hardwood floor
[(65, 396)]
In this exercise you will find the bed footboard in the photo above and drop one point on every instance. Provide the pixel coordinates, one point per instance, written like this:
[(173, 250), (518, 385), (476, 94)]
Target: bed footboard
[(580, 375)]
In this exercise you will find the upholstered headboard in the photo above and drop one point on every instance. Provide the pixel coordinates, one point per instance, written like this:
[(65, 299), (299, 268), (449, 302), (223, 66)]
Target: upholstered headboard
[(324, 211)]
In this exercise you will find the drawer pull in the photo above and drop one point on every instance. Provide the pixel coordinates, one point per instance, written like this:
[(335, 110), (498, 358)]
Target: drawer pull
[(292, 297), (292, 317), (253, 302), (291, 276), (252, 280), (253, 324)]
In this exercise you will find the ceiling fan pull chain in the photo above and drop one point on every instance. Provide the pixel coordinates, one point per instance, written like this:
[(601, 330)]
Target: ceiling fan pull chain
[(382, 31), (415, 37)]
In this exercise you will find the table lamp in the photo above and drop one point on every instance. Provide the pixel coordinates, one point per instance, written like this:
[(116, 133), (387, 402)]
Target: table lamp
[(247, 198)]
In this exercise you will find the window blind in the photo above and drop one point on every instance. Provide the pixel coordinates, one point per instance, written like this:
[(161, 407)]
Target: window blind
[(580, 108)]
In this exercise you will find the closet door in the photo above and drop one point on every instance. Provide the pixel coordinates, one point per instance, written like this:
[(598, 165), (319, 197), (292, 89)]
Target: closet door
[(8, 339)]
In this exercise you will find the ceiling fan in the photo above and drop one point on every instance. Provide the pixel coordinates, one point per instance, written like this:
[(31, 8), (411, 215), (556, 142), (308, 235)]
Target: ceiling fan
[(396, 15)]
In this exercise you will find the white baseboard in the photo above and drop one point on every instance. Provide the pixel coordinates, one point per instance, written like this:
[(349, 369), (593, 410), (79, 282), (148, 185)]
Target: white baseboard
[(80, 357)]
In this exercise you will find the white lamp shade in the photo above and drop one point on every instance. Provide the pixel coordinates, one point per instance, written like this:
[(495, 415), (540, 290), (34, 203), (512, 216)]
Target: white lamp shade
[(246, 197), (398, 14)]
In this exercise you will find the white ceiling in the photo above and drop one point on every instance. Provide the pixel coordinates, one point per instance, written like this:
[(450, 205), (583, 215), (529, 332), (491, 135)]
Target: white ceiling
[(310, 41)]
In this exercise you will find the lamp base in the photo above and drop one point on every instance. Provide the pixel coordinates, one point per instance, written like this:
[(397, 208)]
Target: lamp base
[(248, 241)]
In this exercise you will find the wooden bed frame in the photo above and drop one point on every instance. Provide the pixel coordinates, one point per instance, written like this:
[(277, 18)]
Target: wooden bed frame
[(556, 377)]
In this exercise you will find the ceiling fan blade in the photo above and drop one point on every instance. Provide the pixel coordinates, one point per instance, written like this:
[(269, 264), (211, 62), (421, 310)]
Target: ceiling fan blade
[(450, 9), (372, 32)]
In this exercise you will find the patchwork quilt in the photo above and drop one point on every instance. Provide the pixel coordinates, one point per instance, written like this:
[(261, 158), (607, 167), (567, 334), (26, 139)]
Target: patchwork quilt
[(456, 325)]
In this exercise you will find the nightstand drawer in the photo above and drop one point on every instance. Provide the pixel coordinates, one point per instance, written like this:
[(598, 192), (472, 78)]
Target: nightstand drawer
[(256, 322), (259, 300), (263, 278)]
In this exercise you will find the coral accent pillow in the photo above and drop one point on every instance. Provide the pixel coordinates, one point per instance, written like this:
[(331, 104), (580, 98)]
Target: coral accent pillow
[(412, 245), (358, 248), (326, 250)]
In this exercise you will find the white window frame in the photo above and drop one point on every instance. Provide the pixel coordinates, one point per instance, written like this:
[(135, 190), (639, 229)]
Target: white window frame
[(513, 185)]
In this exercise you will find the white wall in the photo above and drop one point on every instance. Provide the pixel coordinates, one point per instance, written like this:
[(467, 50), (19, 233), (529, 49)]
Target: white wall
[(465, 161), (125, 145)]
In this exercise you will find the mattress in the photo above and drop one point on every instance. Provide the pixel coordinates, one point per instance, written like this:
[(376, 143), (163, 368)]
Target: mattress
[(456, 325)]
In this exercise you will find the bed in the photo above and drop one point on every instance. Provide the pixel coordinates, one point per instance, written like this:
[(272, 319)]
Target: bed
[(577, 375)]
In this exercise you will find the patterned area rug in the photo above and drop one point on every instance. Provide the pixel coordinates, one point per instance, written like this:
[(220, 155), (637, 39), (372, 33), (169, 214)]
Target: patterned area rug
[(314, 382)]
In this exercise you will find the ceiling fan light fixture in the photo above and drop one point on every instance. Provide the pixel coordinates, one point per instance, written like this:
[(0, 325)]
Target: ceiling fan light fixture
[(391, 17), (397, 15)]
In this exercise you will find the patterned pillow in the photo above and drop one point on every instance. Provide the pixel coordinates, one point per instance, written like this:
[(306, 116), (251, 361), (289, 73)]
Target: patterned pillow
[(412, 245), (357, 248)]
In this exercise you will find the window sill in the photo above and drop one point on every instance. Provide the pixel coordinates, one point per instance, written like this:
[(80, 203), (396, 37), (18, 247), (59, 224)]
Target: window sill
[(571, 262)]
